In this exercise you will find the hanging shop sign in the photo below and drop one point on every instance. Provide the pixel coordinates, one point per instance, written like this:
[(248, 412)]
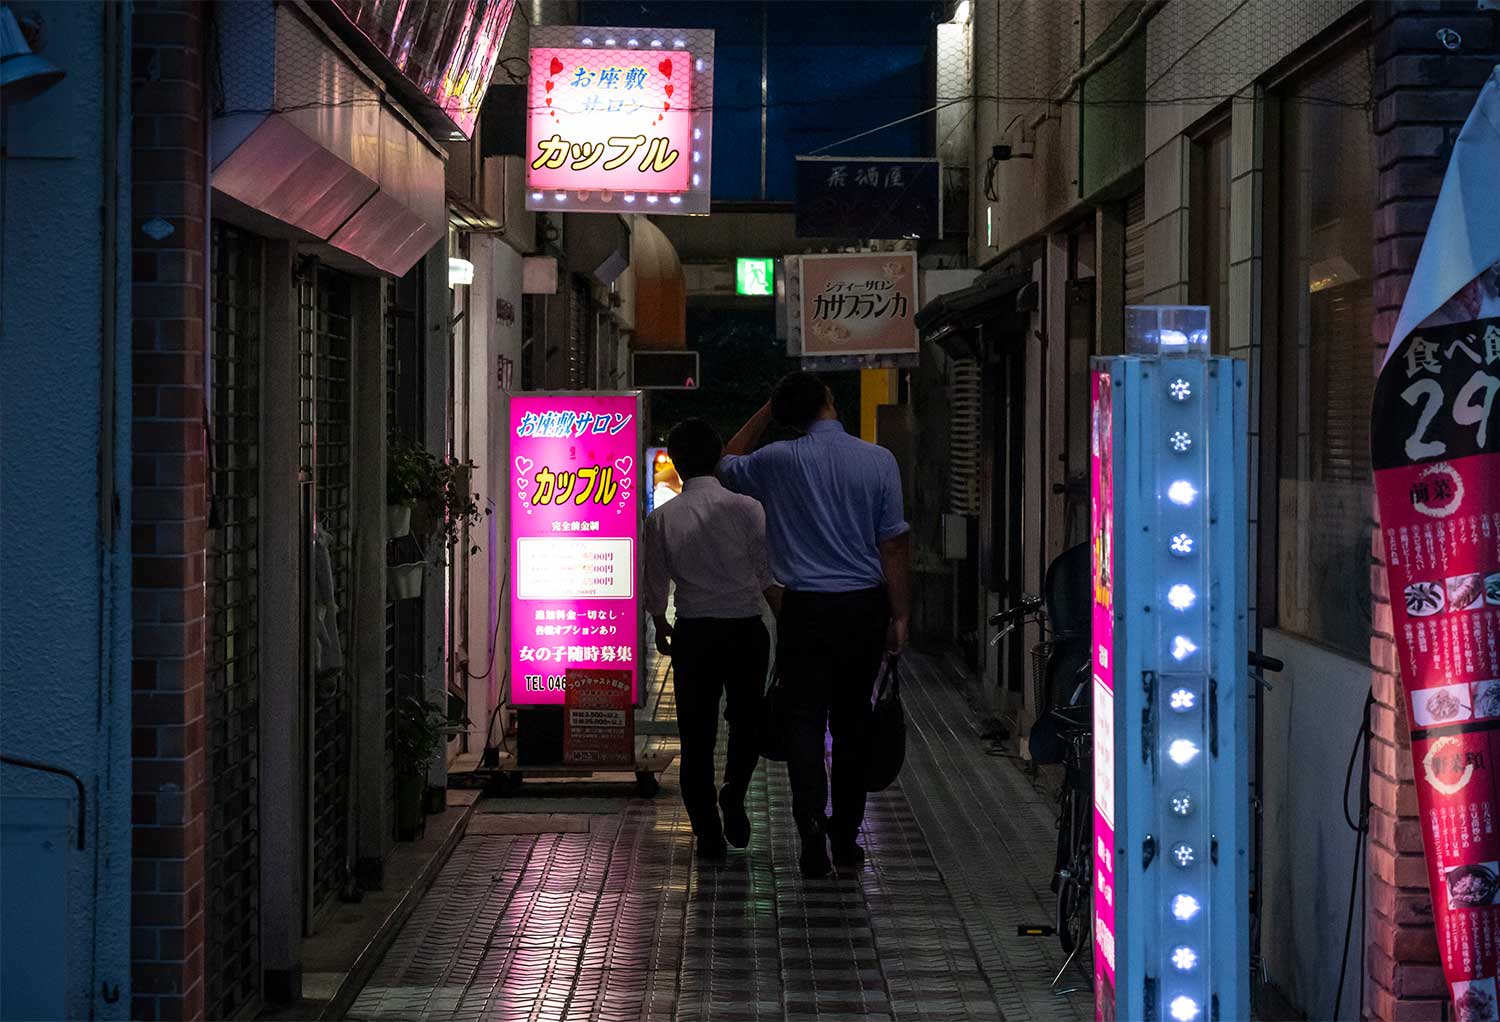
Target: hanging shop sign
[(447, 52), (575, 536), (862, 303), (869, 197), (1170, 864), (598, 719), (619, 120), (1435, 445)]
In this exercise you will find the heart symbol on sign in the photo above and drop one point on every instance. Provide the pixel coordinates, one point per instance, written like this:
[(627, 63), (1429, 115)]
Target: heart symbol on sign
[(521, 484), (549, 100), (666, 106), (623, 464), (523, 465), (557, 66), (665, 67), (549, 86), (624, 482), (669, 88)]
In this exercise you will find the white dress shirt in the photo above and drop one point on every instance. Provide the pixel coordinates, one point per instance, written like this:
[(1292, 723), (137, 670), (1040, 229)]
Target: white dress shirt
[(712, 543)]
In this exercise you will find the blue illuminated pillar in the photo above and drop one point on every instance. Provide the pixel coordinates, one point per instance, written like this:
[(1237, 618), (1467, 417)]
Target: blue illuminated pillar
[(1179, 750)]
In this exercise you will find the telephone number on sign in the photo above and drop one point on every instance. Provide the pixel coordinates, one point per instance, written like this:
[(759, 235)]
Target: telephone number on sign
[(546, 683)]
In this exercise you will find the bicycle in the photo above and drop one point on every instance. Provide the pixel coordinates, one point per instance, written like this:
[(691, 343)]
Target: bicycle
[(1063, 733)]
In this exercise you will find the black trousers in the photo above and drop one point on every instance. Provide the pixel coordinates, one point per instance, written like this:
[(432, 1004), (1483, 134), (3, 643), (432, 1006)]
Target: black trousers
[(713, 658), (829, 651)]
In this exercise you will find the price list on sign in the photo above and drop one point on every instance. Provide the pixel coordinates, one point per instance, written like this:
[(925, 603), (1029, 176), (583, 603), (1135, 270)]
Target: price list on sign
[(575, 529), (1436, 449)]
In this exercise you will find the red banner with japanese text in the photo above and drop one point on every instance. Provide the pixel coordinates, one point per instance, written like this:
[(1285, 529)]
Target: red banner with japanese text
[(1436, 449), (599, 719)]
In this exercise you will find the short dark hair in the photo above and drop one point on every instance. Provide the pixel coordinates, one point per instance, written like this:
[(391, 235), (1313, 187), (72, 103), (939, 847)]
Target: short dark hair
[(798, 399), (695, 448)]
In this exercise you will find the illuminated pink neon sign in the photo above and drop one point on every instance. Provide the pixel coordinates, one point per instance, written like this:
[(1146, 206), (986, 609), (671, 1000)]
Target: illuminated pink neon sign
[(610, 120), (575, 530), (619, 120)]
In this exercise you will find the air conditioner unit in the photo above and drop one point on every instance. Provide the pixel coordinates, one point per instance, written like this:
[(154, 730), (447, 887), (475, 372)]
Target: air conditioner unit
[(664, 370)]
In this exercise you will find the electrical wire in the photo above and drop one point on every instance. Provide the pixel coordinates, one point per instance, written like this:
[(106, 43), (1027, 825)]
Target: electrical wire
[(1361, 828)]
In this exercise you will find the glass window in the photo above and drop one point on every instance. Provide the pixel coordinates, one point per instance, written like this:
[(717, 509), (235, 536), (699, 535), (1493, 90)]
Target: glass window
[(1209, 276), (1325, 355)]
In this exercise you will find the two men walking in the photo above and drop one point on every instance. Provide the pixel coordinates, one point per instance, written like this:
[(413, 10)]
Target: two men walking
[(836, 543)]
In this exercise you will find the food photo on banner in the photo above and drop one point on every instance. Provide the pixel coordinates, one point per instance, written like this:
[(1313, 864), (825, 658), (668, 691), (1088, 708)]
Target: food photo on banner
[(1435, 445)]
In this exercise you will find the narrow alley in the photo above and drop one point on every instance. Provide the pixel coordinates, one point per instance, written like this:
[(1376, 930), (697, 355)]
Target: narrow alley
[(566, 903)]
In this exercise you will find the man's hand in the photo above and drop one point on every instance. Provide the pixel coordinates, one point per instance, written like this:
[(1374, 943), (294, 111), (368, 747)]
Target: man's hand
[(895, 636), (663, 636)]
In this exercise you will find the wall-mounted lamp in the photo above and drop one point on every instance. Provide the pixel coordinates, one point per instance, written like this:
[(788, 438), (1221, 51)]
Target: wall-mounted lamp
[(23, 74)]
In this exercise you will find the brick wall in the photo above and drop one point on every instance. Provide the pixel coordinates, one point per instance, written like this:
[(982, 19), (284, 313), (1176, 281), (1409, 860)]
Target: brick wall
[(168, 167), (1423, 92)]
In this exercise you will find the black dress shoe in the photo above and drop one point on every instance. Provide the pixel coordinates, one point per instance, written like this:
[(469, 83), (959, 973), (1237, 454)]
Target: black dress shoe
[(736, 822), (712, 848), (815, 862), (849, 855)]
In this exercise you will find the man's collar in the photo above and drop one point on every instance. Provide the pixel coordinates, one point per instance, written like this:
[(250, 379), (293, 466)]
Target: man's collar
[(700, 483), (825, 426)]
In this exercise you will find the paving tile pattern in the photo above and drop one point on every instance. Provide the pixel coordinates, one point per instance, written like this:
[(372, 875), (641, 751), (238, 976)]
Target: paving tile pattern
[(620, 922)]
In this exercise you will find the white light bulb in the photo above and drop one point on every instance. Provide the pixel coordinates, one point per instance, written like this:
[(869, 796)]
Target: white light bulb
[(697, 157), (1182, 751), (697, 133), (1184, 907), (537, 196), (1180, 389), (1182, 493), (1181, 544), (1182, 648), (588, 42), (629, 197), (1181, 596), (1184, 958), (1183, 853), (1183, 700), (675, 200), (678, 43), (1184, 1009), (561, 196), (1172, 338), (1182, 804), (651, 199)]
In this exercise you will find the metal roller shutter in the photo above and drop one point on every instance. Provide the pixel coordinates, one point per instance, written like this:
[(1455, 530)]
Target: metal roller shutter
[(1135, 249), (232, 969)]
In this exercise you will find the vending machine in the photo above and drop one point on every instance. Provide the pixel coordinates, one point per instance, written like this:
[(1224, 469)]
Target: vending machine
[(1169, 449)]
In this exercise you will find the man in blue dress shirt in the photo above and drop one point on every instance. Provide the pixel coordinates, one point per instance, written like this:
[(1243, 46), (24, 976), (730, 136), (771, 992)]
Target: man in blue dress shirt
[(840, 545)]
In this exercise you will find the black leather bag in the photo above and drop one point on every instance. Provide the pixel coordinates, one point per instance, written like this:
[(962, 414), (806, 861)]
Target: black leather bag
[(887, 732), (774, 721)]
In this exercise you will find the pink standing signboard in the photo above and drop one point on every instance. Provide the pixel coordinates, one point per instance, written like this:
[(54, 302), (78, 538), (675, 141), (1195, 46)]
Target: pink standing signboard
[(1101, 470), (575, 531)]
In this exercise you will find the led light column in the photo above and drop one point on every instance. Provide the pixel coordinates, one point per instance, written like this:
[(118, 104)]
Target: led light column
[(1180, 801)]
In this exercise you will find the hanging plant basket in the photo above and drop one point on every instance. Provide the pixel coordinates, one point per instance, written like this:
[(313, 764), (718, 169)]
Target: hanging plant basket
[(404, 581), (397, 520)]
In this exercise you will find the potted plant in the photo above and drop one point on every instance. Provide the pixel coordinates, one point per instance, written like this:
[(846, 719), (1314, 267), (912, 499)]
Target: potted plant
[(411, 477), (455, 506), (421, 729)]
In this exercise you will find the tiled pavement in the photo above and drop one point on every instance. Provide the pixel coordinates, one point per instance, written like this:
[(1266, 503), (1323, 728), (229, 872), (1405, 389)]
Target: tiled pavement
[(609, 917)]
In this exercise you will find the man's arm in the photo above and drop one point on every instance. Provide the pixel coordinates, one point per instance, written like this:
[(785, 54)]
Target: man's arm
[(895, 560), (655, 584), (760, 558), (894, 536), (750, 433)]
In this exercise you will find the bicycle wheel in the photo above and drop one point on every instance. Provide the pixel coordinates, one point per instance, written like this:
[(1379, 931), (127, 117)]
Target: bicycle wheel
[(1075, 887)]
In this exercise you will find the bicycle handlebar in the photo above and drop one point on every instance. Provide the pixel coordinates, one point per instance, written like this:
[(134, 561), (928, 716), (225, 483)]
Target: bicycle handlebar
[(1261, 662), (1028, 604)]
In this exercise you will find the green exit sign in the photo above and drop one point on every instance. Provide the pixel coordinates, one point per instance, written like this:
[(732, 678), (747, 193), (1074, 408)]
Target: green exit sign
[(753, 276)]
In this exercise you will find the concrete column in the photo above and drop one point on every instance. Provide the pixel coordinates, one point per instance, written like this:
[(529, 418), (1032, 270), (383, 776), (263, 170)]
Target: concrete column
[(282, 750), (435, 436), (366, 640)]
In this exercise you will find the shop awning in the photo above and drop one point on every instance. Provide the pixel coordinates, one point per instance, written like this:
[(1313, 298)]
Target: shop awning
[(950, 320), (660, 293), (311, 141)]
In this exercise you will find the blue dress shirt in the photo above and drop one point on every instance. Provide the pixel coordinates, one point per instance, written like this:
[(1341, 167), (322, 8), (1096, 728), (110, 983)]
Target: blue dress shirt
[(831, 499)]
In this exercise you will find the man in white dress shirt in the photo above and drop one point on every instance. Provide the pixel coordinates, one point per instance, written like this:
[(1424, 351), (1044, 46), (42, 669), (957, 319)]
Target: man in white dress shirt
[(712, 544)]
